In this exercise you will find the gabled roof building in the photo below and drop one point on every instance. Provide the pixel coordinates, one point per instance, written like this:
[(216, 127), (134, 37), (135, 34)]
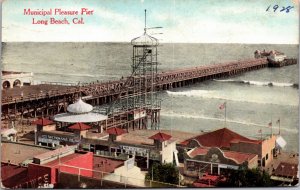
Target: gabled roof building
[(215, 152)]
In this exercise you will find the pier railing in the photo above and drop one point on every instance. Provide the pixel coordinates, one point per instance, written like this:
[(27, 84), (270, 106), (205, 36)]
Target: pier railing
[(57, 83), (164, 80)]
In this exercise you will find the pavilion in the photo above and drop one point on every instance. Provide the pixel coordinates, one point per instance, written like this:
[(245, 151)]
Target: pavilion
[(78, 115), (79, 112)]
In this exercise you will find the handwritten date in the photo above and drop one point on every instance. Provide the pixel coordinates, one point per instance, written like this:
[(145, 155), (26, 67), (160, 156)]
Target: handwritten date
[(280, 8)]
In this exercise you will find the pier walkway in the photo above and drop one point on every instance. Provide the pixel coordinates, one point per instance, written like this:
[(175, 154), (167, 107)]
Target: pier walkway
[(54, 98)]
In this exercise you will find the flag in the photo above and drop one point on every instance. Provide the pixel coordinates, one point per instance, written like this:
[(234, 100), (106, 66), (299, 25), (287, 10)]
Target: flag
[(278, 121), (222, 106), (270, 124), (259, 131)]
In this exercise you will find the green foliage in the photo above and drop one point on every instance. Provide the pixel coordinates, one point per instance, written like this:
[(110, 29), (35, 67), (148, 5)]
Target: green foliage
[(166, 173), (247, 178)]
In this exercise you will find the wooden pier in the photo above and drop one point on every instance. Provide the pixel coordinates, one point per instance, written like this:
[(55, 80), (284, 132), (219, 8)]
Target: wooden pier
[(49, 99)]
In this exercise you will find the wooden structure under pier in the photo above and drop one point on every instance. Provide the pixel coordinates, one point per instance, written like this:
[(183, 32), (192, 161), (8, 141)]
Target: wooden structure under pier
[(47, 99)]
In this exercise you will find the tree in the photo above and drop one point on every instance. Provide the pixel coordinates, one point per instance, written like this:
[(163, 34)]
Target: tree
[(167, 173), (244, 177)]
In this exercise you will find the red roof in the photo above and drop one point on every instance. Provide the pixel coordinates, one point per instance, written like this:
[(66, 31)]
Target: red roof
[(238, 157), (286, 169), (185, 142), (220, 138), (80, 127), (198, 151), (115, 131), (210, 177), (160, 137), (12, 175), (53, 153), (196, 184), (62, 160), (43, 122), (105, 164), (207, 181)]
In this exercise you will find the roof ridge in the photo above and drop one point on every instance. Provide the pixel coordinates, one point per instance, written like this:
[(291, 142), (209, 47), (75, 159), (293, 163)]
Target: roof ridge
[(232, 151), (161, 135), (222, 138), (239, 135)]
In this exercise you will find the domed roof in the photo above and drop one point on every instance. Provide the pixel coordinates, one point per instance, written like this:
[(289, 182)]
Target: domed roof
[(79, 107), (144, 40), (80, 118)]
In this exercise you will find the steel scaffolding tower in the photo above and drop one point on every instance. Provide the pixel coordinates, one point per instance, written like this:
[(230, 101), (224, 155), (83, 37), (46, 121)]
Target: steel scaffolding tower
[(139, 99), (144, 67)]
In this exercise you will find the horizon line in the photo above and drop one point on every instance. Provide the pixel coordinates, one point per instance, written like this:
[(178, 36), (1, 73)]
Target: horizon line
[(264, 43)]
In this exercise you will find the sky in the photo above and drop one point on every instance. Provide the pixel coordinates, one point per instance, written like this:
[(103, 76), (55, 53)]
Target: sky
[(183, 21)]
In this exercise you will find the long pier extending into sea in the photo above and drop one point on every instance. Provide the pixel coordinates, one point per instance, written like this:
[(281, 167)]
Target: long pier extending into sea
[(50, 99)]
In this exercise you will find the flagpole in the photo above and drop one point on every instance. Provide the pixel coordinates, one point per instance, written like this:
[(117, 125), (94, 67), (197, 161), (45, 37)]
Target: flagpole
[(225, 112), (260, 132), (221, 107), (279, 124), (271, 127)]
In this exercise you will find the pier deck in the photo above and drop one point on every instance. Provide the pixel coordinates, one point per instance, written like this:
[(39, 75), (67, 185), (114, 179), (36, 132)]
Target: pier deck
[(50, 99)]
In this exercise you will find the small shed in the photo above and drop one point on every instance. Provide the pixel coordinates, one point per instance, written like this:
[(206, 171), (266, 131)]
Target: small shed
[(80, 128)]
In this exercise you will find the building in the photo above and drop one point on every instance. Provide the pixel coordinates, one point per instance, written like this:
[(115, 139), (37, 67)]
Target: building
[(286, 173), (71, 125), (146, 146), (9, 134), (284, 169), (14, 163), (65, 160), (19, 153), (13, 175), (224, 149), (79, 112), (47, 135), (44, 167), (12, 79), (113, 141), (49, 168), (128, 174), (155, 146), (216, 161)]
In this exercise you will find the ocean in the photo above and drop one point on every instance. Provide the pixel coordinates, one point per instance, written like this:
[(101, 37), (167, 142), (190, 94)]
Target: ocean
[(252, 103)]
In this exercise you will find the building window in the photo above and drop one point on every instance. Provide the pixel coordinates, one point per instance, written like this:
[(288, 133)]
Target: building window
[(263, 162), (267, 156)]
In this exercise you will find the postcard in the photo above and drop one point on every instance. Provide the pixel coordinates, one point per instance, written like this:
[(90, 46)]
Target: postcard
[(147, 94)]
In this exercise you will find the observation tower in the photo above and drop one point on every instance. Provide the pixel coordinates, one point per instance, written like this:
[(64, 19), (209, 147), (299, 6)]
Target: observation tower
[(143, 94)]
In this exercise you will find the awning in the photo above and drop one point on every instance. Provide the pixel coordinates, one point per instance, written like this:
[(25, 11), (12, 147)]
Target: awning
[(43, 122), (160, 137), (280, 142), (7, 132), (115, 131), (79, 118), (80, 127), (277, 178)]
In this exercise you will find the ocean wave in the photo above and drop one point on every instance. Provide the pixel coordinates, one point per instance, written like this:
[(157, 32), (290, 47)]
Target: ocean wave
[(189, 116), (192, 93), (238, 97), (260, 83)]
